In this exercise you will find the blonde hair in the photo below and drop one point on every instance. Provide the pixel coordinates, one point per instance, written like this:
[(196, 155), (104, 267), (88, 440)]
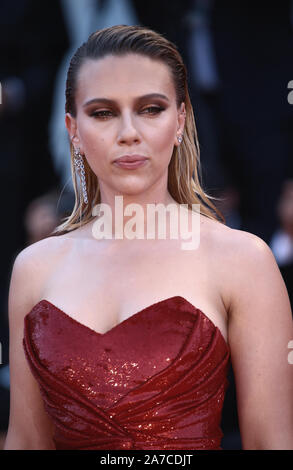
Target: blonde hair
[(184, 172)]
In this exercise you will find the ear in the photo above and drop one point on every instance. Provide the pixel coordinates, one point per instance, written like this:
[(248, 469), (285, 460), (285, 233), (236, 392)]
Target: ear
[(180, 122), (71, 126)]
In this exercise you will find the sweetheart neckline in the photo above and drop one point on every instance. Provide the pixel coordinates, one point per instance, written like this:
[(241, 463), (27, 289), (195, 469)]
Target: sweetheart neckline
[(136, 314)]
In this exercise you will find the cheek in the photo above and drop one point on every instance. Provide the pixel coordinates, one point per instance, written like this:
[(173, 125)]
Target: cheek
[(163, 138), (93, 143)]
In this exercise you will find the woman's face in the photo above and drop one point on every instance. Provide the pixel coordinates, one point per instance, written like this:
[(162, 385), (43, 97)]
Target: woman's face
[(126, 106)]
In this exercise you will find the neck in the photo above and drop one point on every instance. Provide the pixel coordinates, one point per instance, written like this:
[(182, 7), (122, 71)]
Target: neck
[(133, 216)]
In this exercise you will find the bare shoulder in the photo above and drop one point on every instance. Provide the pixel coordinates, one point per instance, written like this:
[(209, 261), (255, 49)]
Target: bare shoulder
[(250, 255), (234, 239), (43, 252), (232, 246), (248, 245), (33, 263), (48, 246), (251, 270), (239, 258)]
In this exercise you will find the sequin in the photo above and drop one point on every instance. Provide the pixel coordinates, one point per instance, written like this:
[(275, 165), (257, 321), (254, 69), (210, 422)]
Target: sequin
[(155, 381)]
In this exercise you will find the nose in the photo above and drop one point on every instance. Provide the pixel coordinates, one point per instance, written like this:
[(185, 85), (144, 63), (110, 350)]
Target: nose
[(128, 133)]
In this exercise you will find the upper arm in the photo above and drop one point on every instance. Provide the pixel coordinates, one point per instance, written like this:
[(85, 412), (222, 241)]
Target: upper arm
[(260, 328), (29, 424)]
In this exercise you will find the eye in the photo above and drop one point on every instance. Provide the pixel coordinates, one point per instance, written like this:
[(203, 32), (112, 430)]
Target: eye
[(153, 110), (103, 114)]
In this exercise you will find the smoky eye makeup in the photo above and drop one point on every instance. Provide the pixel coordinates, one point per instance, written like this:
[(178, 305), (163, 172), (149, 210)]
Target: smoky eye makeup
[(101, 113), (151, 110), (151, 104)]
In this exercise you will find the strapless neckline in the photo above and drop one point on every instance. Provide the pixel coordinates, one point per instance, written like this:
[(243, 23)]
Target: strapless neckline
[(132, 317), (156, 380)]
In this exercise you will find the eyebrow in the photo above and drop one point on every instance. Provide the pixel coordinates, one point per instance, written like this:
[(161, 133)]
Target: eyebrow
[(140, 98)]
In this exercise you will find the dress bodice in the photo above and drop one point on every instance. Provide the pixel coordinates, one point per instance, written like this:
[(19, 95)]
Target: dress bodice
[(157, 380)]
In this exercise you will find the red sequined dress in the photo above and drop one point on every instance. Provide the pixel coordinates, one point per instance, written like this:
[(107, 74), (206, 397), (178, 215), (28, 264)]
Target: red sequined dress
[(157, 380)]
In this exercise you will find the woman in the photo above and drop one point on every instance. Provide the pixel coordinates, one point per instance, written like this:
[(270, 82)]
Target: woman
[(139, 360)]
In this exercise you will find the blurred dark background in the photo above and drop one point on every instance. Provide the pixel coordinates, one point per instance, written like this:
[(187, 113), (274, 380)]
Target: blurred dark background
[(239, 57)]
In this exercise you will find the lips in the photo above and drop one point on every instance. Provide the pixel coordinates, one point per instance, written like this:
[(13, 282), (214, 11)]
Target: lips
[(131, 158)]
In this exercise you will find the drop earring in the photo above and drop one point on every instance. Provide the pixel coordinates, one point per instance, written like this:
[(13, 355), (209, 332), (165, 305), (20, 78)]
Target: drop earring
[(79, 165)]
